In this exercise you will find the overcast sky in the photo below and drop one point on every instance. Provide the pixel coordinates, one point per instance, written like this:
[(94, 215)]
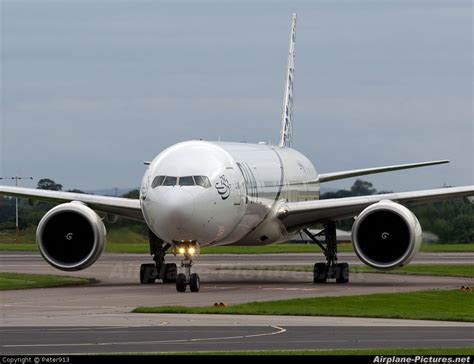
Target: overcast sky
[(90, 89)]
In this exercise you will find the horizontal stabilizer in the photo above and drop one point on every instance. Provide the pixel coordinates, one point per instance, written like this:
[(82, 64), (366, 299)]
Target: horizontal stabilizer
[(326, 177)]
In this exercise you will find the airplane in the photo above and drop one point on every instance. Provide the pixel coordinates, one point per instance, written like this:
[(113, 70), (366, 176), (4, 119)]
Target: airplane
[(201, 193)]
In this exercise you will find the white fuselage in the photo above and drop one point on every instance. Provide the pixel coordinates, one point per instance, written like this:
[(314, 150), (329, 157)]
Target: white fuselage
[(246, 184)]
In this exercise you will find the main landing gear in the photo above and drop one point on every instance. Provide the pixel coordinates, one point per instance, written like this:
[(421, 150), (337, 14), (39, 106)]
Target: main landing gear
[(149, 273), (331, 269), (188, 250)]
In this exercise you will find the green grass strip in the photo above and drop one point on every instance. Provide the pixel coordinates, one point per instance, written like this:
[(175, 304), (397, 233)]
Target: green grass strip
[(445, 270), (389, 351), (448, 270), (9, 281), (452, 305), (142, 248), (448, 248), (22, 247)]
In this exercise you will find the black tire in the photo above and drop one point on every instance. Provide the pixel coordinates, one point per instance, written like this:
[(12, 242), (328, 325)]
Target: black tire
[(171, 272), (320, 273), (343, 273), (181, 283), (147, 273), (194, 283)]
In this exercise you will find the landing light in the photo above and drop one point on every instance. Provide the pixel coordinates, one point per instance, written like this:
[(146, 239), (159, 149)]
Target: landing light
[(189, 248)]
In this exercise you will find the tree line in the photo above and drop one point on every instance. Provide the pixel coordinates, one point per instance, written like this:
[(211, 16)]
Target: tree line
[(452, 221)]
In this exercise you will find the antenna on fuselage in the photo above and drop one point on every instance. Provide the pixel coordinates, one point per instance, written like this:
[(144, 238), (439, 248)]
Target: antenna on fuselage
[(286, 131)]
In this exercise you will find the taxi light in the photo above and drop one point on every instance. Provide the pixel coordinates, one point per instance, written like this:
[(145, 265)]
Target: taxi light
[(191, 251), (182, 250)]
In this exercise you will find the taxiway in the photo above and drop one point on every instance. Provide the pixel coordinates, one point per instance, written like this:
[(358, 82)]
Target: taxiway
[(97, 318)]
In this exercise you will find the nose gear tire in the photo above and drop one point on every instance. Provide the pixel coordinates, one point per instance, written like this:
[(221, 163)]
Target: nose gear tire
[(194, 283), (181, 283)]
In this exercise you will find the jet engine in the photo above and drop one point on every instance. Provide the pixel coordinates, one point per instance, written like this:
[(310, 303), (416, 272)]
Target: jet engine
[(71, 236), (386, 235)]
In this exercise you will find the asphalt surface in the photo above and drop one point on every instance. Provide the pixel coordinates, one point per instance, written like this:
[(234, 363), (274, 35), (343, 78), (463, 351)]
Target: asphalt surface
[(223, 260), (125, 268), (97, 318), (52, 340)]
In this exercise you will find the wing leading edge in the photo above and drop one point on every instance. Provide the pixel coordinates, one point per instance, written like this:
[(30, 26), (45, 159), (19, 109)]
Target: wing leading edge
[(112, 205), (326, 177), (297, 215)]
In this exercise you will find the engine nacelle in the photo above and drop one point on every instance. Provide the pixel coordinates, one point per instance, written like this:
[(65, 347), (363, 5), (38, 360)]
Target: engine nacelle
[(71, 236), (386, 235)]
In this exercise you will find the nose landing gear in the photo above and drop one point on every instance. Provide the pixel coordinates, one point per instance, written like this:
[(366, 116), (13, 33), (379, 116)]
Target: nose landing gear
[(188, 250), (187, 278)]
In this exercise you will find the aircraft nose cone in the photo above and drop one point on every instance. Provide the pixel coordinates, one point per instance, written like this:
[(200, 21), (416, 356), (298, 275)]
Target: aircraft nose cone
[(174, 213), (175, 207)]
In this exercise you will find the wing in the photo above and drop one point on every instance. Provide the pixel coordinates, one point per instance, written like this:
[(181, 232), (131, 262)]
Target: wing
[(326, 177), (113, 205), (297, 215)]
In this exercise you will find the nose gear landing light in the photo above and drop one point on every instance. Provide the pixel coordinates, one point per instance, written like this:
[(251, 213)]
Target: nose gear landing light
[(188, 249)]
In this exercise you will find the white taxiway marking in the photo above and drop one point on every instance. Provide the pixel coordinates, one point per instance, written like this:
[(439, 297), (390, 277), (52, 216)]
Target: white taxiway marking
[(280, 330)]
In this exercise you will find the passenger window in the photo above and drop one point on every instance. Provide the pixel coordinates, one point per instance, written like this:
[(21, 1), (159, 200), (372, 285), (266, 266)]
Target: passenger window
[(186, 181), (170, 181), (158, 181), (202, 181)]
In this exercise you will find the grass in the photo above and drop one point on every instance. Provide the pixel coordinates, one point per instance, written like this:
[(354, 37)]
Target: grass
[(270, 249), (12, 247), (311, 248), (446, 270), (452, 305), (448, 248), (123, 240), (143, 248), (9, 281), (371, 352)]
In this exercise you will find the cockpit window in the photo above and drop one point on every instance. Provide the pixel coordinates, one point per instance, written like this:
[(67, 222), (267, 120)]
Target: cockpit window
[(186, 181), (158, 181), (202, 181), (170, 181)]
